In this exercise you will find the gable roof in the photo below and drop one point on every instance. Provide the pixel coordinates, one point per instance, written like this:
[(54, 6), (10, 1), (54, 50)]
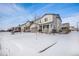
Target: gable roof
[(25, 23), (48, 14), (58, 16)]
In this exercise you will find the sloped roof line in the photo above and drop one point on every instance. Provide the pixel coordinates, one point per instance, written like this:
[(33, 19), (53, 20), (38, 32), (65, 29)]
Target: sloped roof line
[(47, 14), (25, 23), (42, 17)]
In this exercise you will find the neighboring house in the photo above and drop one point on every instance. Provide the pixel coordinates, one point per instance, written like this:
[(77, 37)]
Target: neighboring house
[(10, 29), (33, 28), (15, 29), (65, 27), (72, 28), (26, 26), (47, 23)]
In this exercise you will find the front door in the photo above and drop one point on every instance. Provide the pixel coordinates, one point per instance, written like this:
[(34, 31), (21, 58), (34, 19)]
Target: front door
[(40, 28), (46, 28)]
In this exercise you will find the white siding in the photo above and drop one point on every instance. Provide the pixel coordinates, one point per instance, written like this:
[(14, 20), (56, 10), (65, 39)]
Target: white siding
[(58, 24), (48, 17), (52, 20)]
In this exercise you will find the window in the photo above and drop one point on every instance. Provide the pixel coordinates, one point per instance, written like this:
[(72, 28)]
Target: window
[(51, 25), (47, 26), (40, 21), (43, 26), (46, 19)]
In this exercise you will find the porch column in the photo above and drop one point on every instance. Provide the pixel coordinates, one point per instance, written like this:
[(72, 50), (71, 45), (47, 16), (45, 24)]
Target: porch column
[(42, 27), (50, 28)]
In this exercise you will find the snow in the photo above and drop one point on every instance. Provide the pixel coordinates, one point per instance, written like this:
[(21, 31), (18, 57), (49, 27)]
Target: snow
[(30, 44)]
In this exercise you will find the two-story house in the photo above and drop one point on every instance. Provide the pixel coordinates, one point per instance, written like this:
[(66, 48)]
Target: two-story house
[(26, 26), (47, 23)]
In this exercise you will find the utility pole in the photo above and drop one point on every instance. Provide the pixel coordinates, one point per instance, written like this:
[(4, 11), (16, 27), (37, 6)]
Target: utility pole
[(35, 27)]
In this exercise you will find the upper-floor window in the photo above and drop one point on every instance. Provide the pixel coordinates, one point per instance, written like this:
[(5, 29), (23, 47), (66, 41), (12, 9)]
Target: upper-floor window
[(46, 19)]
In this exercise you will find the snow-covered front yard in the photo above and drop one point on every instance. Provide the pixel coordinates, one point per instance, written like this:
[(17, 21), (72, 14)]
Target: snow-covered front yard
[(24, 44)]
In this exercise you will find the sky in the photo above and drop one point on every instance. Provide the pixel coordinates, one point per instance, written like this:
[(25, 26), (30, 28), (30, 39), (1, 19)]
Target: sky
[(13, 14)]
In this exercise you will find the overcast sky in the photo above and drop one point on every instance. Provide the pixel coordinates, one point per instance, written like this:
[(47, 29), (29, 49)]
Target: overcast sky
[(15, 14)]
